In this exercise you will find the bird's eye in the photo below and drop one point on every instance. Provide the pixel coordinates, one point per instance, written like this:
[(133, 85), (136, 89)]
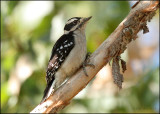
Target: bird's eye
[(74, 22)]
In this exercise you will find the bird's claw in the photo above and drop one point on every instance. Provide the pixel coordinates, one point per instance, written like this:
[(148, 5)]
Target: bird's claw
[(86, 63)]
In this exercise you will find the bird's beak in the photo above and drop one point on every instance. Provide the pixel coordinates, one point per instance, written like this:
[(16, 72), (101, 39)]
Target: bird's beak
[(84, 22), (86, 19)]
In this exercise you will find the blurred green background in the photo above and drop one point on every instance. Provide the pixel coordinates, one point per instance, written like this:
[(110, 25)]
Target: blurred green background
[(29, 29)]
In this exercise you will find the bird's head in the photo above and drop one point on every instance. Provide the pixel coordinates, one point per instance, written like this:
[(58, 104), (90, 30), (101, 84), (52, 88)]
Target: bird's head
[(76, 23)]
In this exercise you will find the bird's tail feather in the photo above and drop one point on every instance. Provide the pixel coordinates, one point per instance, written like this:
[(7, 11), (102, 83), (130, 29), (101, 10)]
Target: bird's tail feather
[(46, 91)]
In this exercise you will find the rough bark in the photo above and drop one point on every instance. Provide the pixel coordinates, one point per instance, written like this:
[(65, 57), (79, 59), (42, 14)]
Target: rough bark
[(111, 48)]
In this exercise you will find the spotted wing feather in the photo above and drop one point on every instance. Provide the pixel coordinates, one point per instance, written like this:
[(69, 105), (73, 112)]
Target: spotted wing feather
[(60, 51)]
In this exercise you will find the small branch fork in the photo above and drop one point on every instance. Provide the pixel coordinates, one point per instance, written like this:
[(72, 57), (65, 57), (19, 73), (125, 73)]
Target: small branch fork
[(110, 49)]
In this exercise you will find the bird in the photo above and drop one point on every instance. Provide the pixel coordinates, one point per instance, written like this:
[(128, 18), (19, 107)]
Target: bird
[(68, 54)]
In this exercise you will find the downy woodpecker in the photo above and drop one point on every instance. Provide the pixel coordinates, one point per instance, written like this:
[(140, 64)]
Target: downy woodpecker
[(68, 54)]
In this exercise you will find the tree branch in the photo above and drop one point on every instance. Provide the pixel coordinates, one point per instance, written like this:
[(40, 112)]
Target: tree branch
[(111, 48)]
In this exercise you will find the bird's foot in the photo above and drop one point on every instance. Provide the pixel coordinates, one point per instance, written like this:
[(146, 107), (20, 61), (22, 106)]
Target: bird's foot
[(86, 63)]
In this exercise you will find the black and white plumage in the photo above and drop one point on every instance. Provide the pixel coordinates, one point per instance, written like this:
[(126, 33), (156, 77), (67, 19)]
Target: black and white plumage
[(68, 54), (60, 51)]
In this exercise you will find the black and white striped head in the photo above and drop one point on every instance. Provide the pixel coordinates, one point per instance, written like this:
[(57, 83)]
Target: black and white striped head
[(76, 23)]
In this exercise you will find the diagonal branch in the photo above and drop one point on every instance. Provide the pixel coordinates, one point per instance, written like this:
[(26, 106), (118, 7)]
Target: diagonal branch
[(111, 48)]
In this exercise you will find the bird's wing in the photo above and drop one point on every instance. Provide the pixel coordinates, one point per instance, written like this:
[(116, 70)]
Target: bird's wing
[(60, 51)]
